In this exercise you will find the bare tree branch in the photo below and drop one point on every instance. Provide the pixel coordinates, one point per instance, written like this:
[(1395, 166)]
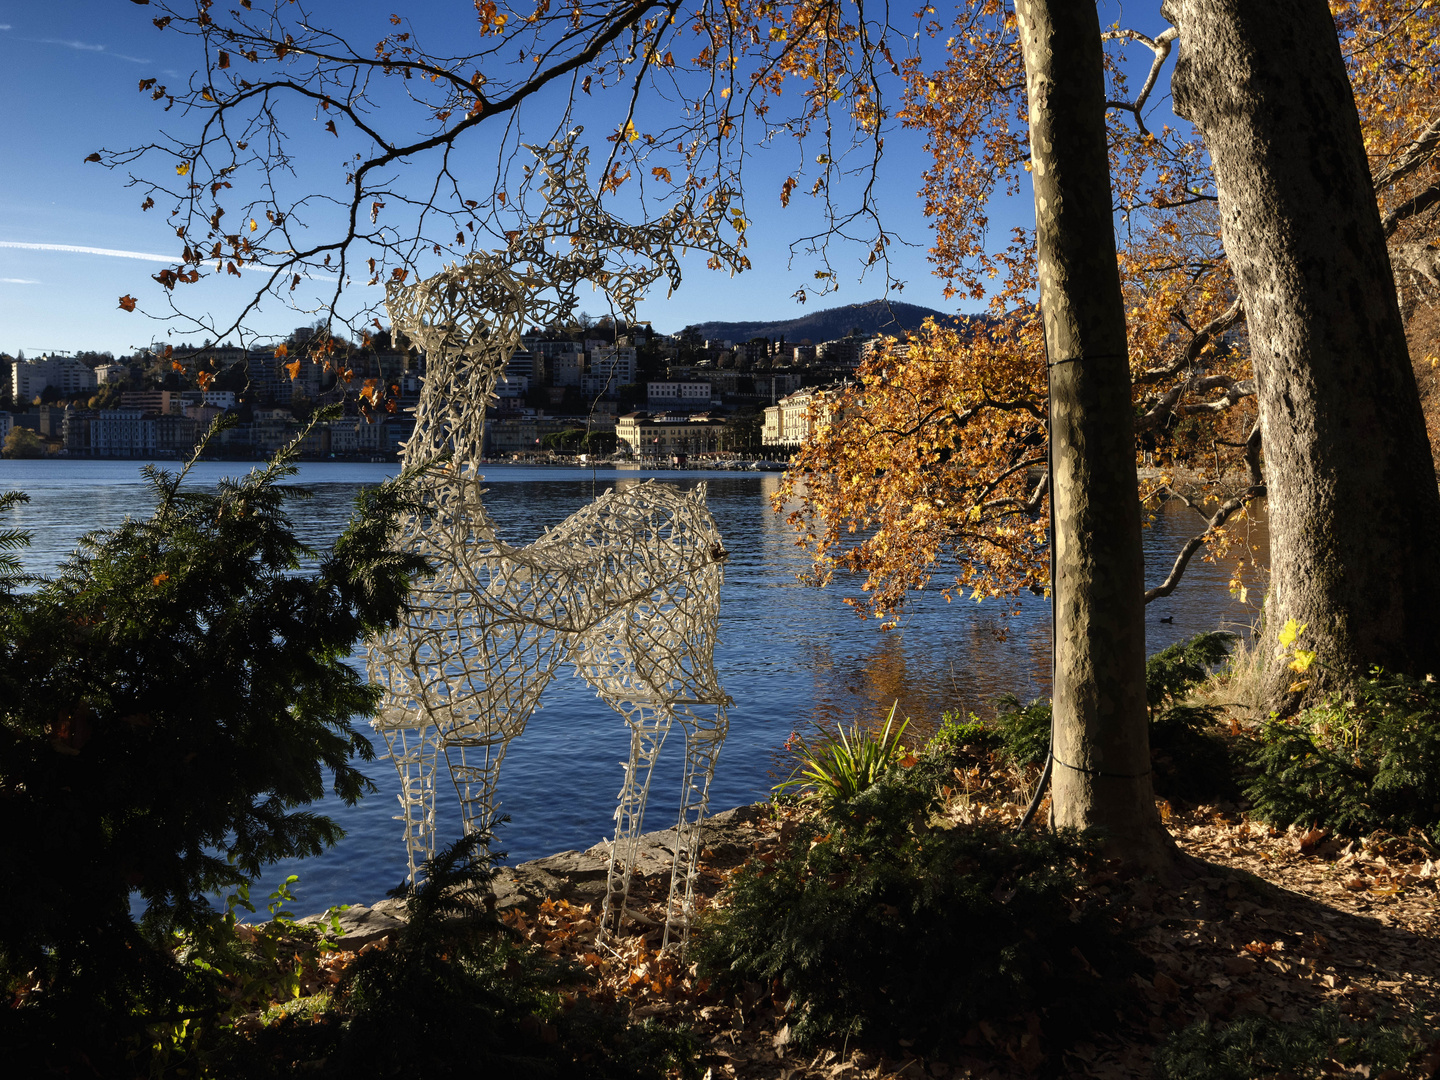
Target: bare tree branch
[(1202, 337), (1417, 204), (1420, 150), (1226, 510), (1160, 45)]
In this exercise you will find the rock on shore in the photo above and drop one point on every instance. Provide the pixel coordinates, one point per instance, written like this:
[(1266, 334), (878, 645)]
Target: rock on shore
[(576, 876)]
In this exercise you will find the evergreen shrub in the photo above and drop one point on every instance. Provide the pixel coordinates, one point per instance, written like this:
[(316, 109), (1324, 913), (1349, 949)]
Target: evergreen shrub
[(1324, 1044), (1360, 761), (456, 994), (1024, 730), (170, 703), (1190, 760), (958, 731), (879, 920)]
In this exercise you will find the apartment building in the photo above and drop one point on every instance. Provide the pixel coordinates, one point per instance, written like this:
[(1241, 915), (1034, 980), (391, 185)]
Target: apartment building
[(29, 377), (122, 433)]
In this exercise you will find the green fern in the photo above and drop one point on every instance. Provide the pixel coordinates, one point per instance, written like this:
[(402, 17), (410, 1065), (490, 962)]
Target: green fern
[(12, 575)]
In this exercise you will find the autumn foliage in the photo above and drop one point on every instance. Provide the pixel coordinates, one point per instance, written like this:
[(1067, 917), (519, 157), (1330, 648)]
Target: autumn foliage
[(894, 466), (930, 461)]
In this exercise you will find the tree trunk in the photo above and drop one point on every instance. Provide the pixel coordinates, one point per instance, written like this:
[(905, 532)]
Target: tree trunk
[(1354, 510), (1101, 774)]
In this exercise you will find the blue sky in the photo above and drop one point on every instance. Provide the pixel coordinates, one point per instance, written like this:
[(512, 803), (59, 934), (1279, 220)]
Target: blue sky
[(69, 72)]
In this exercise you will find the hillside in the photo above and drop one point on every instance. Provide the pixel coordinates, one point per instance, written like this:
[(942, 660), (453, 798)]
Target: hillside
[(872, 317)]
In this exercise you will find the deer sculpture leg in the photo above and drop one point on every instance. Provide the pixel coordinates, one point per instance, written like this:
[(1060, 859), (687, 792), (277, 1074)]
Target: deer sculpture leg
[(703, 739), (414, 751), (651, 659), (649, 727), (474, 765)]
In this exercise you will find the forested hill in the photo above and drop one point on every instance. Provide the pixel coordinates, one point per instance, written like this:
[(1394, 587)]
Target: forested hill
[(872, 317)]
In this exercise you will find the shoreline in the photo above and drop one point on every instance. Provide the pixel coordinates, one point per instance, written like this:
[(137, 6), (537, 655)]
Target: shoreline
[(727, 465), (579, 877)]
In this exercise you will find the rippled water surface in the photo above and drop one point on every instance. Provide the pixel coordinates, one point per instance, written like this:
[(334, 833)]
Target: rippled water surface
[(789, 654)]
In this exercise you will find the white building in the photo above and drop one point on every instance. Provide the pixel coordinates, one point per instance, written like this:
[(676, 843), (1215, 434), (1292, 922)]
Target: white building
[(510, 385), (29, 377), (790, 422), (122, 433), (614, 362), (220, 399), (345, 436), (642, 435), (672, 395), (770, 429)]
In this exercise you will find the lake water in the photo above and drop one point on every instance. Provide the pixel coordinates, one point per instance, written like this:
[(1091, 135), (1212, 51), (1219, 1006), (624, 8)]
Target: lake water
[(789, 654)]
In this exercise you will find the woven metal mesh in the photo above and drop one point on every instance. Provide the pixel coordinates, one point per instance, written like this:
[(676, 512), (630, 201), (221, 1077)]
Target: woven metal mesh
[(627, 590)]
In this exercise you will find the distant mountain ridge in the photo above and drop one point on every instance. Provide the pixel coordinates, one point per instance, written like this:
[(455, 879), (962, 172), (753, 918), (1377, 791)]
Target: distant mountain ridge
[(872, 317)]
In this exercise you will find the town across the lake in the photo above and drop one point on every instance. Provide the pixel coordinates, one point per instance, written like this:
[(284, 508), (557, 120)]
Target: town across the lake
[(607, 392)]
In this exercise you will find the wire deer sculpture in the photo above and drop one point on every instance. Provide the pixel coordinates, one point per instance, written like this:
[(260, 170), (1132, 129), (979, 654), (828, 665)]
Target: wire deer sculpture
[(626, 590)]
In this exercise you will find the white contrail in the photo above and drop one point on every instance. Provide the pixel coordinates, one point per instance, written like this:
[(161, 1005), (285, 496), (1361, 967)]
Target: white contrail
[(85, 46), (116, 253), (76, 249)]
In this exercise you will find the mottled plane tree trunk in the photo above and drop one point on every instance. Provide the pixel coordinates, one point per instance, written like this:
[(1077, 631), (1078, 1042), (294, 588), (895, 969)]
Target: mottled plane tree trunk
[(1101, 769), (1354, 511)]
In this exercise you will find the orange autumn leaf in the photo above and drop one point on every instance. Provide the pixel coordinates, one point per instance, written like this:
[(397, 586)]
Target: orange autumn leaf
[(127, 302), (293, 368)]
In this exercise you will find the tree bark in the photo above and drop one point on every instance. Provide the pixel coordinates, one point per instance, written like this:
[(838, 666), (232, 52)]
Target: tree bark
[(1101, 774), (1354, 510)]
